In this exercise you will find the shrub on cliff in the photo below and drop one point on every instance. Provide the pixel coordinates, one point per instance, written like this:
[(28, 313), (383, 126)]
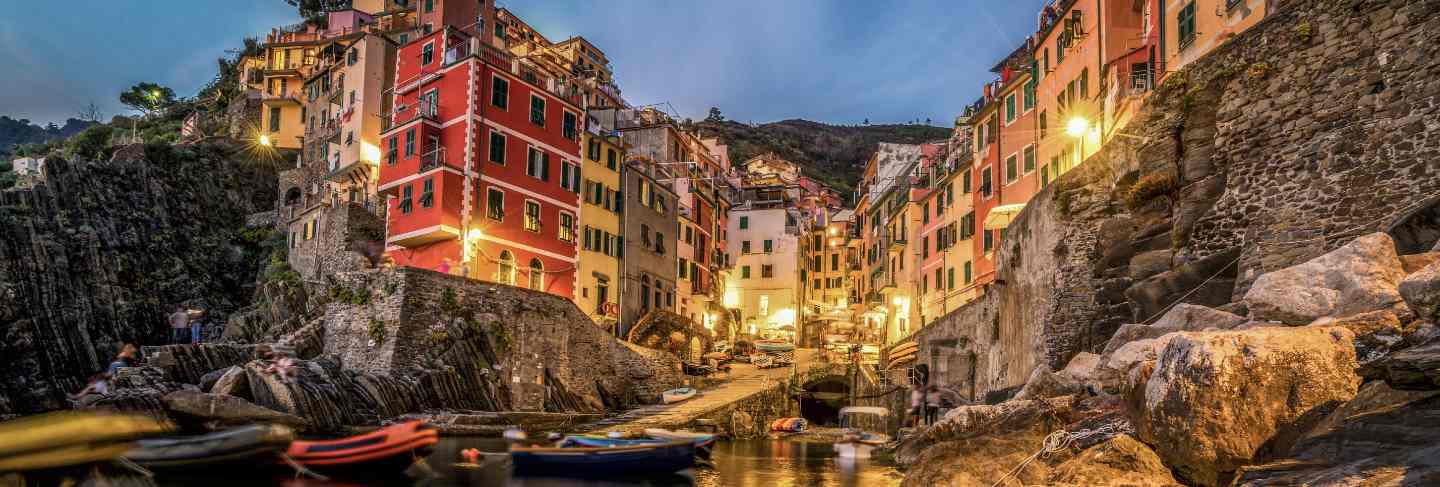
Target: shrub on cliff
[(1150, 187)]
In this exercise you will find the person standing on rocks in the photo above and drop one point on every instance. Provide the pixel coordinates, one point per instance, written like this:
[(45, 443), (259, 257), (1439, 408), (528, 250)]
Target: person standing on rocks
[(932, 403), (197, 321), (179, 325), (917, 405)]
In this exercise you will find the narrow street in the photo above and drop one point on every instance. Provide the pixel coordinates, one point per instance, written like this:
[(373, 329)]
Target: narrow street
[(745, 382)]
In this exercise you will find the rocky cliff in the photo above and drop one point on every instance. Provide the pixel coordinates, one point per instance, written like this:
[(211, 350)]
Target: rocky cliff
[(95, 254)]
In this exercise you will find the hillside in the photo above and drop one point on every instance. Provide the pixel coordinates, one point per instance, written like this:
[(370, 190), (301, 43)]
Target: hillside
[(834, 154), (15, 132)]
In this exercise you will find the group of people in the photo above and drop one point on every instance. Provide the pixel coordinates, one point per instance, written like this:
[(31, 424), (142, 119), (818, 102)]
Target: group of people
[(100, 383), (186, 325), (924, 404)]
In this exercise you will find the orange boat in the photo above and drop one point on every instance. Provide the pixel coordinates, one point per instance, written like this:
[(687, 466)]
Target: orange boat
[(392, 445)]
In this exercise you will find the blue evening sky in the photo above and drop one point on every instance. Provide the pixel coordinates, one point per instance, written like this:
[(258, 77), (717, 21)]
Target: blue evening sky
[(836, 61)]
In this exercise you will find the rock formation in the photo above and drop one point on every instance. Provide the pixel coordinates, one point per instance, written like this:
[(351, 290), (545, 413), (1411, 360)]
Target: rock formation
[(1360, 277)]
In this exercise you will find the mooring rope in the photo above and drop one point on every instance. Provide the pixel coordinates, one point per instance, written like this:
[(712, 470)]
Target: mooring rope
[(135, 467), (300, 469), (1062, 440)]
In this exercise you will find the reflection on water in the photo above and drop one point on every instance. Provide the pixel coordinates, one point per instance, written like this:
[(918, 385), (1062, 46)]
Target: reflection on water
[(763, 463)]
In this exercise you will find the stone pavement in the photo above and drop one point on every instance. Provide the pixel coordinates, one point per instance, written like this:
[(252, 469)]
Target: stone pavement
[(746, 382)]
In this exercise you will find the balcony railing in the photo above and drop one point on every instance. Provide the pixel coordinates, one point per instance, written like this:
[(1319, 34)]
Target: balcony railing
[(432, 158), (289, 96), (404, 115)]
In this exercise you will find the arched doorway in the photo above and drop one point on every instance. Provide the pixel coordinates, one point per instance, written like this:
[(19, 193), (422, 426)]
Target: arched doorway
[(537, 275), (1419, 231), (505, 272), (823, 398), (696, 349)]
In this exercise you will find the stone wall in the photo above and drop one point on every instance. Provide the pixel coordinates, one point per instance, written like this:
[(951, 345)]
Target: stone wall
[(1314, 127), (347, 235), (673, 333), (545, 353), (97, 253)]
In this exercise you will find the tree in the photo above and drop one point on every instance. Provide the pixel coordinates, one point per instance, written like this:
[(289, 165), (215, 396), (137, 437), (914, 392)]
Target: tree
[(867, 121), (715, 115), (91, 143), (312, 8), (147, 97), (927, 121), (91, 112)]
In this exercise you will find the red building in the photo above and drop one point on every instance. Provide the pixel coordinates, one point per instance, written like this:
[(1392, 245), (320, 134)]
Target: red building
[(482, 165)]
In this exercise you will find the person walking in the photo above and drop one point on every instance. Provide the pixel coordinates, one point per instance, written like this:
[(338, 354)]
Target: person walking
[(932, 404), (197, 322), (179, 325), (917, 405)]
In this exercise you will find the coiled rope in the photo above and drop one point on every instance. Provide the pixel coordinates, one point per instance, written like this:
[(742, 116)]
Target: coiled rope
[(1062, 440)]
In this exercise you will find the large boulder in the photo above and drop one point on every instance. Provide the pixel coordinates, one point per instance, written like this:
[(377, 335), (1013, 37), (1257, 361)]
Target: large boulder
[(1182, 317), (1043, 384), (1362, 276), (969, 422), (1213, 400), (1081, 367), (232, 382), (1416, 262), (1421, 292), (217, 411), (1121, 460), (1382, 437), (1412, 369), (1377, 333)]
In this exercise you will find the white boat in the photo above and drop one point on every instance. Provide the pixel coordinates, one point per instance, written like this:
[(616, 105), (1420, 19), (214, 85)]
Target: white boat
[(676, 395), (858, 443), (664, 434)]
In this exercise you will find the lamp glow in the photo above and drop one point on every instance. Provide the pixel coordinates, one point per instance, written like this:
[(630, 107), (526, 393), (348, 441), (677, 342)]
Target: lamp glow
[(474, 234), (369, 153), (265, 140), (1077, 127)]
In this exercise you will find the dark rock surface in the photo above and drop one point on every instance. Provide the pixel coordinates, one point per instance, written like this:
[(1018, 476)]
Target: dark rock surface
[(96, 254)]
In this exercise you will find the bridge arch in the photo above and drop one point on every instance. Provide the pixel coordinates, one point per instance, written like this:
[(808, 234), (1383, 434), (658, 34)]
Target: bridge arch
[(822, 399)]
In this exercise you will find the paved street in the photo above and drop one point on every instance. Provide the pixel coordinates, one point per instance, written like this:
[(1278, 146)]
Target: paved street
[(746, 381)]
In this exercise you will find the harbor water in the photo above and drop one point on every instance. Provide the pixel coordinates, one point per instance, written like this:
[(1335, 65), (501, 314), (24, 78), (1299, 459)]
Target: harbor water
[(763, 463)]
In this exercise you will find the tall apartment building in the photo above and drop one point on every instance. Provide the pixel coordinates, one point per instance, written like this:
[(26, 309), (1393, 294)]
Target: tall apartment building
[(651, 223), (482, 165), (764, 238), (887, 219), (601, 240)]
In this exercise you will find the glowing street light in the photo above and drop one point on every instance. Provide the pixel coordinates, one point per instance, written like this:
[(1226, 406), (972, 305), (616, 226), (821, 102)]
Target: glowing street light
[(1077, 127), (265, 140)]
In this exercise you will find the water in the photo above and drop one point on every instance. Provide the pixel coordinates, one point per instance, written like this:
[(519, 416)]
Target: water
[(763, 463)]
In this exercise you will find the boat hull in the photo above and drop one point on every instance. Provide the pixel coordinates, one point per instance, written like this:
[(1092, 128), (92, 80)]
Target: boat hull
[(585, 462), (395, 445), (231, 446)]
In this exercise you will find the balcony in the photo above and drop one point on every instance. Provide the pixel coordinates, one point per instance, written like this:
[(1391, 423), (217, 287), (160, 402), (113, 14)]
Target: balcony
[(888, 283), (284, 97), (291, 68), (405, 114), (874, 298), (432, 159), (897, 244)]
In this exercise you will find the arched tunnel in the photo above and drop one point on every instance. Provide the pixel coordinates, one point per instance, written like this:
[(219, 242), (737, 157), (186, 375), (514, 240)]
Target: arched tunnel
[(822, 398)]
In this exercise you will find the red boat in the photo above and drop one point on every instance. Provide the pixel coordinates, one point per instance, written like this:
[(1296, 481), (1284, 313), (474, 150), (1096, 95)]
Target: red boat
[(396, 445)]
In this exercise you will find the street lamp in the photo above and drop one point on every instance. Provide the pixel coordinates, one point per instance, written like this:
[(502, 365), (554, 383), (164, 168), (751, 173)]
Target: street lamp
[(265, 140), (1077, 127)]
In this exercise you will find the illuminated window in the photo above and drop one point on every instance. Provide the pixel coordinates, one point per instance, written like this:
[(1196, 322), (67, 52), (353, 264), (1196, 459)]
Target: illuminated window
[(537, 275), (505, 273), (532, 216)]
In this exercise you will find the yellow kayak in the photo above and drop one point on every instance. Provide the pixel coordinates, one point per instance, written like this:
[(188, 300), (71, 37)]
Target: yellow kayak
[(72, 437)]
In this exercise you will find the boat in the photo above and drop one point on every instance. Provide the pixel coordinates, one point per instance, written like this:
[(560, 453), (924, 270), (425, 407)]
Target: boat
[(398, 445), (858, 443), (72, 438), (676, 395), (774, 346), (701, 439), (641, 459), (243, 444), (788, 425)]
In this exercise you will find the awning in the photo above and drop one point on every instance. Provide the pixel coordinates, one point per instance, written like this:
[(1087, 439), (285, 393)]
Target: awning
[(1000, 216)]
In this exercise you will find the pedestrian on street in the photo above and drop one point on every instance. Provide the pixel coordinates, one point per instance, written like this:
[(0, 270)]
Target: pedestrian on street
[(179, 325), (917, 403), (932, 404)]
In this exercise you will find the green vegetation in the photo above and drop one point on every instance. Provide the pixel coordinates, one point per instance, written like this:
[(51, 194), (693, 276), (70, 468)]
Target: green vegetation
[(1150, 187), (376, 330), (343, 294), (148, 97), (1258, 71)]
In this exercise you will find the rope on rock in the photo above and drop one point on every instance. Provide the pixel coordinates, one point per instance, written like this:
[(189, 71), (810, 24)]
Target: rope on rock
[(135, 467), (300, 469), (1062, 440)]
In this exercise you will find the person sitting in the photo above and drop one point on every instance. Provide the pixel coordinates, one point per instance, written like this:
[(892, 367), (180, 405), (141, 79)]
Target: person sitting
[(126, 358)]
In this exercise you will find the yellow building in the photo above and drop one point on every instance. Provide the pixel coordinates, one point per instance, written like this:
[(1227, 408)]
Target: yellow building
[(599, 267), (289, 58), (1193, 28)]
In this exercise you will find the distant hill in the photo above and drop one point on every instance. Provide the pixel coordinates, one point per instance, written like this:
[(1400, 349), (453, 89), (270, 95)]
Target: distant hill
[(833, 154), (14, 132)]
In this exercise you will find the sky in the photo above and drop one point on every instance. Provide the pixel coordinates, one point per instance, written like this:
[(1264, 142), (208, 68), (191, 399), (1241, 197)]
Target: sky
[(834, 61)]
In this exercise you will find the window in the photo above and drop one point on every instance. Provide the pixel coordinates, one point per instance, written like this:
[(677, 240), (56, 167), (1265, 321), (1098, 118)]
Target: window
[(1011, 170), (939, 281), (925, 246), (1044, 176), (505, 272), (427, 194), (744, 222), (427, 54), (1186, 21), (495, 204), (429, 104), (744, 272), (1029, 159), (767, 270), (392, 152), (659, 243), (1030, 95), (1085, 84), (985, 182), (592, 149), (965, 181), (497, 147), (409, 142), (571, 126), (537, 164), (684, 270), (404, 38), (1010, 109), (815, 284), (769, 246), (537, 275), (745, 247), (645, 292), (925, 211), (950, 278), (429, 6), (274, 119), (610, 159), (1042, 124), (532, 216), (834, 262), (989, 240), (570, 177), (405, 194), (567, 227), (969, 273), (537, 110), (500, 93)]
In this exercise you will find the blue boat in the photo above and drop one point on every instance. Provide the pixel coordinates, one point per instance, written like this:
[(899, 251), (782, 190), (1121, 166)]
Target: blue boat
[(703, 443), (585, 461)]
